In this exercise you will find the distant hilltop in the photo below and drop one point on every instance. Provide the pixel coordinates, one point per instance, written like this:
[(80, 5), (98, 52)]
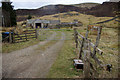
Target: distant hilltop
[(5, 1), (106, 9), (114, 0)]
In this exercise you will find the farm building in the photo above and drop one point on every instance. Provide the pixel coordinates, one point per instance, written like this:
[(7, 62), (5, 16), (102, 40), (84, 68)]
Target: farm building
[(37, 23)]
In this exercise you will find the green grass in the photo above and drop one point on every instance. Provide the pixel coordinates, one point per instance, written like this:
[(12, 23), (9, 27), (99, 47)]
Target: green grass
[(85, 19), (109, 45), (63, 66), (7, 47)]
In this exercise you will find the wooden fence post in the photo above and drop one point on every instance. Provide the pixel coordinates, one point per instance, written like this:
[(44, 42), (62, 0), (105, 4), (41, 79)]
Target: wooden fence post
[(13, 37), (97, 40), (10, 37), (26, 36), (76, 37), (85, 47), (86, 60), (81, 49), (36, 30)]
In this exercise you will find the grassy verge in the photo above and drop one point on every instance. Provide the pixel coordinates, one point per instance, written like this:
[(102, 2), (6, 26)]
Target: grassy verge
[(7, 47), (63, 66), (109, 45)]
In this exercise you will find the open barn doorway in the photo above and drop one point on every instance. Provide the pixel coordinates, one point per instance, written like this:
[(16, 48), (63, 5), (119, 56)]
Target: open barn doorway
[(38, 25)]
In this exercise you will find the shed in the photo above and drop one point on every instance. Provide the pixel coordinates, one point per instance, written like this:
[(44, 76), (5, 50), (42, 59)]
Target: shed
[(30, 22), (37, 23), (41, 23)]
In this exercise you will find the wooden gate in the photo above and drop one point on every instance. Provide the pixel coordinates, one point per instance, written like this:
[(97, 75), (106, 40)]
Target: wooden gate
[(25, 36)]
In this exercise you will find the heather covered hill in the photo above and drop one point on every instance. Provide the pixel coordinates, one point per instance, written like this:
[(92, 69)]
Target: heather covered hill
[(107, 9), (86, 5)]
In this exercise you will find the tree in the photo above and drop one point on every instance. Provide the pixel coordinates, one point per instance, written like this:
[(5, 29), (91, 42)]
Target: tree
[(9, 14), (29, 17)]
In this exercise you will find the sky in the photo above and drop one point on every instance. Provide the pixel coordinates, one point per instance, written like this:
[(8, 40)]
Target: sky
[(33, 4)]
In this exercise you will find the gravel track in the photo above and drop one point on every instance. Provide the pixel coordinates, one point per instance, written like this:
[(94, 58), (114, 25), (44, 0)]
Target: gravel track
[(29, 63)]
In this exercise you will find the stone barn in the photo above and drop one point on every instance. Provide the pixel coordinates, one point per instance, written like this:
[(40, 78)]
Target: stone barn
[(37, 23), (41, 23), (30, 23)]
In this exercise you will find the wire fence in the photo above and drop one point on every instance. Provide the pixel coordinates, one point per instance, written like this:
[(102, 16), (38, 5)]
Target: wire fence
[(107, 20)]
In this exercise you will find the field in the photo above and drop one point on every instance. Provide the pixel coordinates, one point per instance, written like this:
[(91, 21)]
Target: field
[(63, 65), (85, 19)]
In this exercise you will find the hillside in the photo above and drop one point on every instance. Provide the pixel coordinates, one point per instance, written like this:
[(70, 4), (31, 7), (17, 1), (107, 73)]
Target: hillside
[(86, 5), (106, 9), (85, 19)]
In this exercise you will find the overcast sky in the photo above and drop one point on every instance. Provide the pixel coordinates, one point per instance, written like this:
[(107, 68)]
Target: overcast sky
[(33, 4)]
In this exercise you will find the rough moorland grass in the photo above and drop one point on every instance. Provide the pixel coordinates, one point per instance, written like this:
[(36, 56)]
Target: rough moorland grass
[(63, 66), (109, 45), (85, 19)]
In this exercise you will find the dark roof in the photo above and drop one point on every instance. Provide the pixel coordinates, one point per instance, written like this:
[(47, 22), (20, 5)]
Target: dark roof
[(41, 21)]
